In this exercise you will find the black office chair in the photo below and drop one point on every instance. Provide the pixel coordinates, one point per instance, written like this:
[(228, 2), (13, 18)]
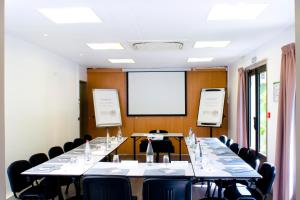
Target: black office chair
[(87, 137), (107, 188), (159, 146), (68, 146), (167, 189), (223, 139), (55, 151), (263, 185), (229, 142), (235, 148), (252, 159), (22, 186), (35, 160), (243, 153), (78, 141)]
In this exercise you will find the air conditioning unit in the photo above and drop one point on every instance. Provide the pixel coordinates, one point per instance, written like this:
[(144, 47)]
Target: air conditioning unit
[(157, 45)]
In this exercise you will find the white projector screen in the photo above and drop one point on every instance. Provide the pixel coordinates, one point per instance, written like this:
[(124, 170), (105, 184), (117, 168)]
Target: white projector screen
[(156, 93)]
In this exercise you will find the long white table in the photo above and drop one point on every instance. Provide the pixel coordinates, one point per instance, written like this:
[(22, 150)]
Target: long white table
[(219, 162), (72, 163), (134, 169)]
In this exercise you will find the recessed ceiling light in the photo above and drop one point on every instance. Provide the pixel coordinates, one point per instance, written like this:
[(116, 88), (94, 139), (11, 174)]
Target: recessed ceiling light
[(104, 46), (70, 15), (239, 11), (211, 44), (45, 35), (204, 59), (121, 60)]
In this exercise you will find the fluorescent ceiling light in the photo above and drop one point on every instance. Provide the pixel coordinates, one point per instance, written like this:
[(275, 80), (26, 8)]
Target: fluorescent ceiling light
[(121, 60), (211, 44), (204, 59), (70, 15), (104, 46), (239, 11)]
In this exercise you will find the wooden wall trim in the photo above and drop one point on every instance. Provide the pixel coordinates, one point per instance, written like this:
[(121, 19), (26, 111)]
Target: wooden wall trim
[(195, 80)]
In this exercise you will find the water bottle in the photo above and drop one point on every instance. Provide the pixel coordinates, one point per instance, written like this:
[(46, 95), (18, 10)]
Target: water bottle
[(119, 134), (149, 152), (190, 132), (107, 140), (198, 154), (87, 152)]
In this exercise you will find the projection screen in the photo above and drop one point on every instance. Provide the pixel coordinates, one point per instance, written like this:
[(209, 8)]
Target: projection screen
[(156, 93)]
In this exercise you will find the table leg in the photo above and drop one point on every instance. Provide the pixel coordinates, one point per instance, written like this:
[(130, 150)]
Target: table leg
[(180, 148), (208, 189), (220, 190), (134, 157)]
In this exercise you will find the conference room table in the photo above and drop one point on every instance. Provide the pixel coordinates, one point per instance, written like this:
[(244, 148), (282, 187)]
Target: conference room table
[(73, 163), (219, 163), (137, 136), (135, 169)]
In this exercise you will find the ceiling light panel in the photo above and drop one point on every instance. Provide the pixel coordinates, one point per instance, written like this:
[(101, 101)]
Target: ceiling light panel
[(240, 11), (204, 59), (121, 61), (211, 44), (105, 46), (70, 15)]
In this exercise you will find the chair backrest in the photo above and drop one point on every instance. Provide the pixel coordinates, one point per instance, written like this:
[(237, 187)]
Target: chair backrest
[(158, 131), (78, 141), (106, 188), (252, 159), (243, 153), (87, 137), (17, 181), (268, 172), (38, 158), (229, 142), (235, 148), (223, 139), (68, 146), (167, 189), (55, 151)]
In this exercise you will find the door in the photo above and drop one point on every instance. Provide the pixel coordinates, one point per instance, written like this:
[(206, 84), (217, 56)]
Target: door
[(257, 109), (83, 116)]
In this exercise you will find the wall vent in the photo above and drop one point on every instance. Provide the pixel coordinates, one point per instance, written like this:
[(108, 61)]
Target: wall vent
[(157, 46)]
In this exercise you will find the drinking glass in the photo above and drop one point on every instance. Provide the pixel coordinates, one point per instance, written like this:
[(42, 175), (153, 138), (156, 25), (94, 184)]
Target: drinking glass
[(116, 159), (166, 159)]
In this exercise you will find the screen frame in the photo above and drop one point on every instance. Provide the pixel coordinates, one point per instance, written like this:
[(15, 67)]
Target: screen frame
[(145, 115)]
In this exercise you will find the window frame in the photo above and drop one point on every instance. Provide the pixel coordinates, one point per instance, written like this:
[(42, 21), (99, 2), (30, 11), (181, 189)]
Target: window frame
[(256, 71)]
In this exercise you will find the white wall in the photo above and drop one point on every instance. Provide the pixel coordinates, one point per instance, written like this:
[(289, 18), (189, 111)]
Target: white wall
[(2, 143), (272, 52), (41, 100)]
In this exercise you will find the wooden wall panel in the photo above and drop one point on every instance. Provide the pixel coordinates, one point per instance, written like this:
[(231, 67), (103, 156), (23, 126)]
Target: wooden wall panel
[(196, 80)]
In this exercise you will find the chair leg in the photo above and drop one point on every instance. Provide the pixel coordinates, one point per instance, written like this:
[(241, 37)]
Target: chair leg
[(67, 189), (157, 157), (169, 154)]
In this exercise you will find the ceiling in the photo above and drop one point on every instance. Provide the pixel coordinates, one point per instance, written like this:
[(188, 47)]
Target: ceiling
[(126, 21)]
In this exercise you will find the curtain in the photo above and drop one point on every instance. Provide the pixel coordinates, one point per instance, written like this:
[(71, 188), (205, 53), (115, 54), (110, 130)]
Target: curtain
[(285, 158), (242, 109)]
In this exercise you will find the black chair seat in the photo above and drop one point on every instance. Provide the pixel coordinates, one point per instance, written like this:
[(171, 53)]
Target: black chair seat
[(22, 186), (233, 193), (107, 188), (164, 145), (167, 189)]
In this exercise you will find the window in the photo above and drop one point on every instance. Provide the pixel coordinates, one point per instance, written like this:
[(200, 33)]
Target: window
[(257, 109)]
